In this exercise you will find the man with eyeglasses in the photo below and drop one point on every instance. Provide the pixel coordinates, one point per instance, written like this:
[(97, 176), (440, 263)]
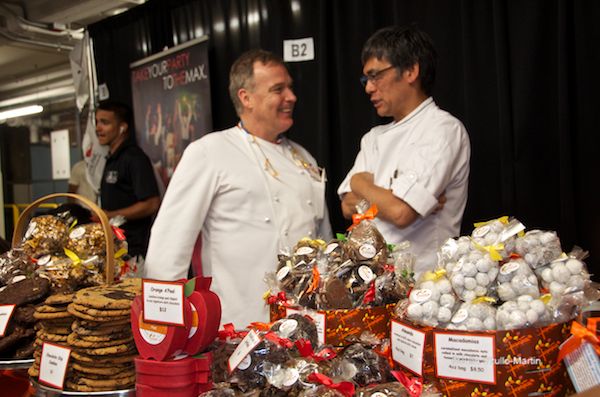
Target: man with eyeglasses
[(418, 163), (248, 190)]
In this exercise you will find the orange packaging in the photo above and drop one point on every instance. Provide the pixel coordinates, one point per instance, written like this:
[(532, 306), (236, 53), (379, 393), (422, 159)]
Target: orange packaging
[(335, 326), (520, 363)]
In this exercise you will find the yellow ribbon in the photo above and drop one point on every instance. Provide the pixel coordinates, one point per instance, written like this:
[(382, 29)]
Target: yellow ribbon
[(120, 253), (73, 256), (484, 299), (73, 224), (435, 275), (491, 249)]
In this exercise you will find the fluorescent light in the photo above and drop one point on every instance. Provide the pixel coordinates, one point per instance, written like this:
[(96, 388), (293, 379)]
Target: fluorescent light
[(18, 112)]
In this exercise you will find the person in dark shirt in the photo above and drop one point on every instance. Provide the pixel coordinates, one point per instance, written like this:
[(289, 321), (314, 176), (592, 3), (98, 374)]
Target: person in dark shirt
[(128, 185)]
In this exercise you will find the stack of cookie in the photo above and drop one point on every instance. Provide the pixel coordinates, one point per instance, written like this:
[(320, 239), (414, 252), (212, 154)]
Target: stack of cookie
[(53, 325), (25, 293), (101, 339)]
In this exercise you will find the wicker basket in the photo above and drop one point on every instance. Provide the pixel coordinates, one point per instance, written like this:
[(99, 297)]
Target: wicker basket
[(23, 221)]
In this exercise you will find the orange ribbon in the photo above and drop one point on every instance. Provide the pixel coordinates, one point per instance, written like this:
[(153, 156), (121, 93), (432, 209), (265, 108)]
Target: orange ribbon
[(316, 278), (371, 213), (260, 326), (580, 334)]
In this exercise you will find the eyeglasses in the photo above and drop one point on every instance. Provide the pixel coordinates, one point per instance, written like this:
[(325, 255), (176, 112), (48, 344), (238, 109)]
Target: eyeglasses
[(373, 76)]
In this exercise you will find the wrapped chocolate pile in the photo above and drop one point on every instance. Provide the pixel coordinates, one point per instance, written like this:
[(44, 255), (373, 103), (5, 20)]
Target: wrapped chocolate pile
[(501, 278), (285, 361), (55, 256), (354, 271)]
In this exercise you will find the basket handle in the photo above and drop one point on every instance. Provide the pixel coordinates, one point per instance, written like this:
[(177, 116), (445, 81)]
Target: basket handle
[(108, 239)]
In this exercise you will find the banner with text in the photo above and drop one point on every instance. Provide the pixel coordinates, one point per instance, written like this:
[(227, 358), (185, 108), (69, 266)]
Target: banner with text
[(171, 103)]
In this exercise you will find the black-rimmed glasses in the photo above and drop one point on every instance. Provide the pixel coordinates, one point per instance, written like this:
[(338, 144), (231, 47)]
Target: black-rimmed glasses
[(373, 76)]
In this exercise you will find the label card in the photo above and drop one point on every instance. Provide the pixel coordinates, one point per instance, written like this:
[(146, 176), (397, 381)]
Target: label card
[(408, 345), (299, 50), (465, 357), (163, 302), (318, 318), (583, 366), (53, 365), (244, 348), (6, 312)]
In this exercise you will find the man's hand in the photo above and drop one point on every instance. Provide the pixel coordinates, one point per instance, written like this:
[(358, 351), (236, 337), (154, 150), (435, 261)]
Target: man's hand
[(441, 202), (349, 202)]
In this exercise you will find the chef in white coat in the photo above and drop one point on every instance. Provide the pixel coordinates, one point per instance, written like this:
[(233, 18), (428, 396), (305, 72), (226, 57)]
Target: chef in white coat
[(248, 190)]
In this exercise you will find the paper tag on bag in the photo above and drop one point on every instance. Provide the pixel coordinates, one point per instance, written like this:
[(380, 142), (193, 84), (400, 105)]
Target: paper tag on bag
[(583, 366), (244, 348)]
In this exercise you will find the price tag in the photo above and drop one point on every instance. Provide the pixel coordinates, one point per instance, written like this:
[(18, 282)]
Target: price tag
[(163, 302), (318, 318), (53, 365), (465, 357), (6, 312), (244, 348), (408, 345)]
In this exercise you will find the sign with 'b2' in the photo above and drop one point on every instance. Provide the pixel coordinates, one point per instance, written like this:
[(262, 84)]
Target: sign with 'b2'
[(299, 50)]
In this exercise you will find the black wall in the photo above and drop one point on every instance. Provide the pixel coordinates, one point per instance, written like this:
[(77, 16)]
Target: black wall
[(521, 75)]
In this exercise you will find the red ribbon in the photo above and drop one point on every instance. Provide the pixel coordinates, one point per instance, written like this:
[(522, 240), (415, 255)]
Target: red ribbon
[(306, 350), (346, 388), (280, 297), (283, 342), (413, 385), (370, 294), (371, 213), (229, 332), (580, 334), (120, 233)]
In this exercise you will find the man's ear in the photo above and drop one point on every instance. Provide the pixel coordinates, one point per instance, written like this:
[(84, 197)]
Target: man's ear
[(245, 98), (412, 74)]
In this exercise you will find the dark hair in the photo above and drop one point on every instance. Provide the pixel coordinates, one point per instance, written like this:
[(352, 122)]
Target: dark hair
[(241, 74), (403, 47), (122, 111)]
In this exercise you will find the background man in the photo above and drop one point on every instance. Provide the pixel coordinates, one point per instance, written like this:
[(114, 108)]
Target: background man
[(423, 154), (248, 189), (128, 185)]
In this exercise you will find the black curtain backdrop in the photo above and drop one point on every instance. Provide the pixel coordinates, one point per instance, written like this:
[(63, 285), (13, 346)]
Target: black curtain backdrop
[(521, 75)]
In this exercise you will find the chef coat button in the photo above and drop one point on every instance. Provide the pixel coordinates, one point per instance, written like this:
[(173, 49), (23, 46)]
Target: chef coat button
[(309, 202), (267, 219), (285, 232), (310, 233), (276, 199)]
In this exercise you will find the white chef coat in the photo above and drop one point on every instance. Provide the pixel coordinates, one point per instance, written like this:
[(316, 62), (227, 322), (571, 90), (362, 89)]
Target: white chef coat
[(221, 188), (419, 157)]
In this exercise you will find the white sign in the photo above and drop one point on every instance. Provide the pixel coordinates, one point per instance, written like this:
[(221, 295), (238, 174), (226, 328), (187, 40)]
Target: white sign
[(298, 50), (61, 154), (408, 345), (465, 357), (53, 365), (318, 318), (163, 302), (244, 348), (6, 312), (583, 366)]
